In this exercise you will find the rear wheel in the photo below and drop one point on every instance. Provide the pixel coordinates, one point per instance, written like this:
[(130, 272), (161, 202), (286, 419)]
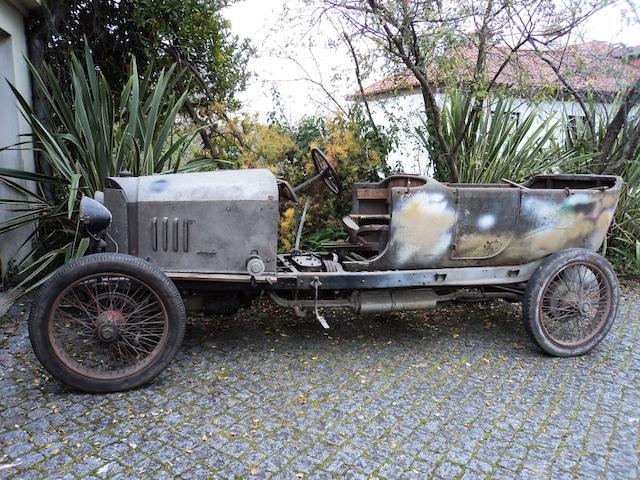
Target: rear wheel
[(107, 322), (571, 302)]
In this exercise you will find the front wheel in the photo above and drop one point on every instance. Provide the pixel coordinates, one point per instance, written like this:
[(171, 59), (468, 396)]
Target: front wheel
[(571, 302), (107, 322)]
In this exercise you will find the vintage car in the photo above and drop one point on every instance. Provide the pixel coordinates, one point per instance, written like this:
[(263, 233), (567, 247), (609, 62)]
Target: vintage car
[(208, 241)]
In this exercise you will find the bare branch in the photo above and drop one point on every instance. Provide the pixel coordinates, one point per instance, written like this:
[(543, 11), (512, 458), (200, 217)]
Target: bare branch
[(318, 83), (360, 87), (574, 93)]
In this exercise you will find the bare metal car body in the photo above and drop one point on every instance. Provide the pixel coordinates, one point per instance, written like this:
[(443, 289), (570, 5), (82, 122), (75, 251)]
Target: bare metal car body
[(208, 226)]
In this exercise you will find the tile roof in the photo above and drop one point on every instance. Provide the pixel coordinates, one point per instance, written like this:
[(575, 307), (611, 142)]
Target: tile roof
[(598, 67)]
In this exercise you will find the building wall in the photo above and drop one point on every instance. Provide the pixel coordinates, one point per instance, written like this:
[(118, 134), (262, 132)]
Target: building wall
[(406, 109), (13, 68)]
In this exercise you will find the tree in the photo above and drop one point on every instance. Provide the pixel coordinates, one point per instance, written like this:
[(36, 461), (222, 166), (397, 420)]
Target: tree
[(427, 36), (59, 28), (605, 157), (192, 34)]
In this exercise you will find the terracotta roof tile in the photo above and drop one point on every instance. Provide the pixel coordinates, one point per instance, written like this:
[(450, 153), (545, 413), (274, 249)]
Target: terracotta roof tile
[(589, 67)]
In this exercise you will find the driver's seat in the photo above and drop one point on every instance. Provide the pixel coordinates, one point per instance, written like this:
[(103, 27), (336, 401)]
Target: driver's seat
[(368, 223), (363, 229)]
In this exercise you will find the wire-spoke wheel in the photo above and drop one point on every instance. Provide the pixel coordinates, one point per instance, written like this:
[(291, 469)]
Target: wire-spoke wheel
[(108, 325), (107, 322), (571, 302)]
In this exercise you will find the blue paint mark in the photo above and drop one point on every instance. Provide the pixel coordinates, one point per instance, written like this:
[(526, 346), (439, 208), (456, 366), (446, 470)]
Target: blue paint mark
[(159, 185)]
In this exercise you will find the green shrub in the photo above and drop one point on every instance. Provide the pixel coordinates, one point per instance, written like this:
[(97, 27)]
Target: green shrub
[(349, 142)]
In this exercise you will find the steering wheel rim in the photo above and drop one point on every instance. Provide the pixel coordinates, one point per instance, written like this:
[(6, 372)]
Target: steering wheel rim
[(327, 170)]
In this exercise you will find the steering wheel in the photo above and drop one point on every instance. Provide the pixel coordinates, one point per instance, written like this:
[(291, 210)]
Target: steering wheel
[(329, 174)]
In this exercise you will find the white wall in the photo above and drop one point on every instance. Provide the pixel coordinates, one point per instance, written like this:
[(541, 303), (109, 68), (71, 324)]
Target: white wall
[(13, 67), (406, 109)]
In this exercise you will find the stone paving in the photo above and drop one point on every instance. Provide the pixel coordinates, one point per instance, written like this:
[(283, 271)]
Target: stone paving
[(459, 392)]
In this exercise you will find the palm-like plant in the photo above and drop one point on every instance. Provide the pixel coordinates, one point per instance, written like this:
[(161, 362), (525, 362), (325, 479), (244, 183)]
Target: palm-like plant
[(624, 239), (90, 135), (500, 143)]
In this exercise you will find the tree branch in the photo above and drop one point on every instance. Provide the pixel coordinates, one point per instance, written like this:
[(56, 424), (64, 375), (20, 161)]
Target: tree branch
[(576, 95), (360, 87), (630, 99)]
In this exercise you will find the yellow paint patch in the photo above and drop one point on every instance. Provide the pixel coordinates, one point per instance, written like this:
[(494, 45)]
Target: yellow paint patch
[(422, 227), (478, 245)]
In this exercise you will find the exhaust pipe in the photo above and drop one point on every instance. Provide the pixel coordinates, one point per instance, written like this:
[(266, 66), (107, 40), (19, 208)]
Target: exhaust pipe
[(372, 301), (382, 301)]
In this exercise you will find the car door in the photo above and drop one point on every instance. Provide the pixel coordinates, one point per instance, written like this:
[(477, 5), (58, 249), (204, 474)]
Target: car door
[(486, 221)]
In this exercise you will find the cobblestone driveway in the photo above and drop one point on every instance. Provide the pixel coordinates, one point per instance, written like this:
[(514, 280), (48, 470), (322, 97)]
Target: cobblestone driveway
[(457, 392)]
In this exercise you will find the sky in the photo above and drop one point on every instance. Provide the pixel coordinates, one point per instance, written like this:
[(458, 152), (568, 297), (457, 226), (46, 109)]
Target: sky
[(284, 59)]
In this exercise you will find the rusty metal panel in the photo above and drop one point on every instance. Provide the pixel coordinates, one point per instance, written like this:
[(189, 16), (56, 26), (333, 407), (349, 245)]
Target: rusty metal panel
[(485, 227), (201, 222), (215, 237), (552, 220), (422, 227)]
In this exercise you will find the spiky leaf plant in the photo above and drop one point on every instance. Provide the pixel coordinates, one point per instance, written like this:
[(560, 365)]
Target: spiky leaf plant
[(90, 134)]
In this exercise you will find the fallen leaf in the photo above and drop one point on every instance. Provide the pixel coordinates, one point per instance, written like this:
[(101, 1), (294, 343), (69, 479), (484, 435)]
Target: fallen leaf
[(102, 470)]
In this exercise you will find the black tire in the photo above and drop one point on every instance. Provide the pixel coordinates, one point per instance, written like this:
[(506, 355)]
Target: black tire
[(574, 291), (107, 274)]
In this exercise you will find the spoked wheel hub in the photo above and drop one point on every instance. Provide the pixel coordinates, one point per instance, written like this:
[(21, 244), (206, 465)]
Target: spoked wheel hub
[(108, 325), (585, 308)]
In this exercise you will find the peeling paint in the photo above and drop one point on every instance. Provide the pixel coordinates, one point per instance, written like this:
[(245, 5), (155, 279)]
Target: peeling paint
[(424, 224), (485, 222), (433, 225), (158, 185)]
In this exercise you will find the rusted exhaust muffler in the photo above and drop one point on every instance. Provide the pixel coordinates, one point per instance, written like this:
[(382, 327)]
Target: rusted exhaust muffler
[(381, 301)]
